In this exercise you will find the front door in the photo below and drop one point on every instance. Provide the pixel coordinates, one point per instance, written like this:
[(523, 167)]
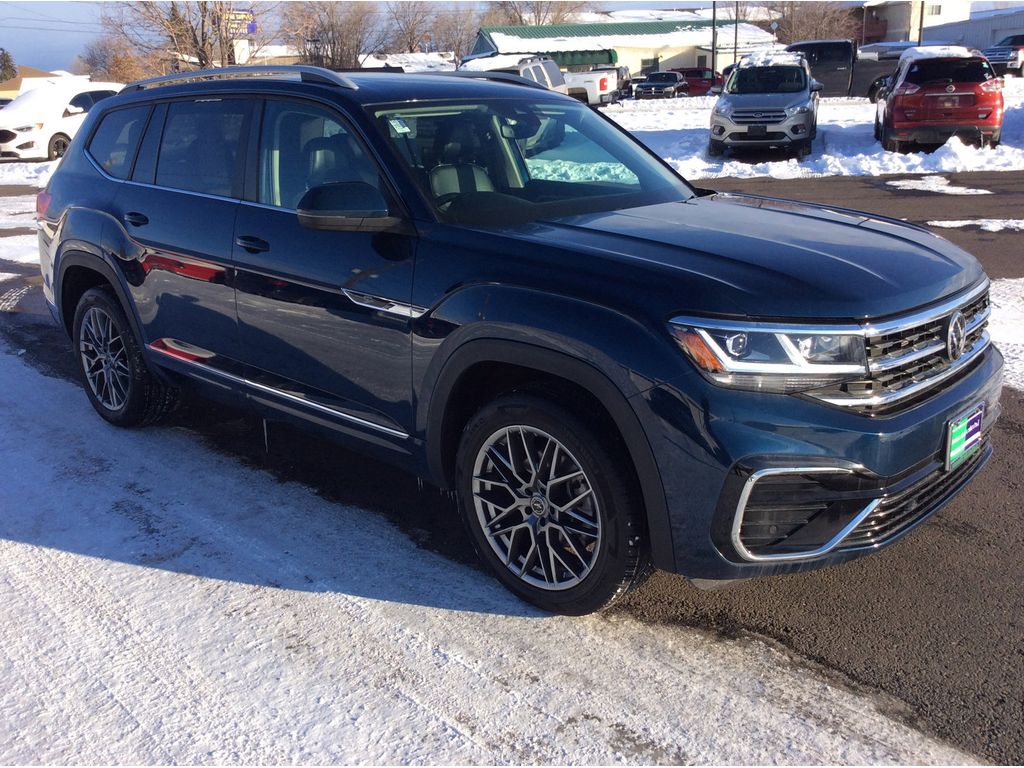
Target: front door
[(324, 316)]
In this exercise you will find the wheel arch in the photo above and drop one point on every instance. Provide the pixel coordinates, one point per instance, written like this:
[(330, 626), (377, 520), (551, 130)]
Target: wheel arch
[(468, 380), (81, 270)]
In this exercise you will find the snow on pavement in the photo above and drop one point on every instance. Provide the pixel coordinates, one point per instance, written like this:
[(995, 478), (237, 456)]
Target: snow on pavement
[(938, 184), (677, 129), (29, 174), (21, 249), (164, 604), (986, 225), (1006, 326)]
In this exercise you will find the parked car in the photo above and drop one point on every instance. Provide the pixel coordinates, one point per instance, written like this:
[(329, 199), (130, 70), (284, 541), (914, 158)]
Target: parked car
[(700, 80), (661, 85), (40, 124), (540, 69), (593, 88), (1007, 56), (612, 368), (770, 100), (843, 70), (624, 80), (939, 92)]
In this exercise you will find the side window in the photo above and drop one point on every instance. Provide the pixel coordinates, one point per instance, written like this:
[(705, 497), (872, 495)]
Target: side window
[(82, 101), (199, 149), (554, 73), (538, 74), (100, 95), (114, 143), (304, 146)]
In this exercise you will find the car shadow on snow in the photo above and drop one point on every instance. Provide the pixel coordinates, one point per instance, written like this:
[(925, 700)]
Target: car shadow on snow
[(313, 517)]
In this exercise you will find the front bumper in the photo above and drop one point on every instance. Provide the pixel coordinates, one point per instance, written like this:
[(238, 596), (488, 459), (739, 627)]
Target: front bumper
[(792, 130), (654, 93), (709, 442), (21, 146)]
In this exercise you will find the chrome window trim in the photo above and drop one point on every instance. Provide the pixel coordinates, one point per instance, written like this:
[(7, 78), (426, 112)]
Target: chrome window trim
[(284, 395), (831, 544), (147, 185)]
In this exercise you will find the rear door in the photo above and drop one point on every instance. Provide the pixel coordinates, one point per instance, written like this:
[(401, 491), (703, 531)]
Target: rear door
[(324, 316), (177, 215)]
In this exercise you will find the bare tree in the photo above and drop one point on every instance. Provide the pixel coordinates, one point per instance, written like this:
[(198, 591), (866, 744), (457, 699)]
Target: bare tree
[(813, 21), (192, 32), (455, 30), (331, 34), (111, 58), (536, 12), (410, 22)]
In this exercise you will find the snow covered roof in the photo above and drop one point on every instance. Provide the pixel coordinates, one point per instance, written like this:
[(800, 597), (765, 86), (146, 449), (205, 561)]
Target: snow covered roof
[(937, 52), (552, 38), (771, 59)]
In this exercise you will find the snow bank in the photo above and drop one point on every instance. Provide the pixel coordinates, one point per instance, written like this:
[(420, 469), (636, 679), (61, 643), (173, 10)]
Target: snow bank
[(1006, 327), (28, 174), (21, 249), (677, 130), (196, 611)]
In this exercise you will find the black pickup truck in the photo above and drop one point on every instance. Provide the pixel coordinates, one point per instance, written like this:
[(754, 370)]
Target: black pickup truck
[(846, 71)]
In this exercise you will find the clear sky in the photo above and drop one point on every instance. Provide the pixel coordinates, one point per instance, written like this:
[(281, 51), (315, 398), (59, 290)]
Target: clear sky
[(47, 35)]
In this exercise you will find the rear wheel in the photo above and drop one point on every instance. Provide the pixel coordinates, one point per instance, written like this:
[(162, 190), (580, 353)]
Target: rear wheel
[(117, 380), (58, 146), (549, 508)]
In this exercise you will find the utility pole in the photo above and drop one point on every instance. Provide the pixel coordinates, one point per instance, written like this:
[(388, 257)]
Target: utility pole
[(714, 36), (735, 32), (920, 25)]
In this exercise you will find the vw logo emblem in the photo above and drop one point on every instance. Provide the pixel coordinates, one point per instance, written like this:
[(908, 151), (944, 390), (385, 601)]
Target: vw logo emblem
[(950, 88), (956, 336)]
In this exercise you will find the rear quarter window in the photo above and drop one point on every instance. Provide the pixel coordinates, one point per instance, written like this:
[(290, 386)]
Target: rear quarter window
[(116, 140)]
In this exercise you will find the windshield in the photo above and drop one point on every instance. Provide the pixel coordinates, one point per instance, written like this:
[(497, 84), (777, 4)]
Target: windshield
[(781, 79), (662, 77), (507, 161), (937, 71), (1012, 40)]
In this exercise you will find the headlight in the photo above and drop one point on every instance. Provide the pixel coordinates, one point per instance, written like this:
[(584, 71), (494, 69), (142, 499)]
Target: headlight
[(26, 128), (770, 358), (723, 109), (801, 110)]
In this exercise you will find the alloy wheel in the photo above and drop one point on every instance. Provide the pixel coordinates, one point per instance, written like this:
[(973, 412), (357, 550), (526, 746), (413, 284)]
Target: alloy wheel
[(104, 359), (536, 507)]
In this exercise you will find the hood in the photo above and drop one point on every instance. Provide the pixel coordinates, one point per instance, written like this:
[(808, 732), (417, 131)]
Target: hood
[(747, 256), (765, 100)]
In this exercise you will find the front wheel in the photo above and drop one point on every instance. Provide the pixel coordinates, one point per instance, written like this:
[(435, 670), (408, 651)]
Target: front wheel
[(117, 381), (549, 508), (58, 146)]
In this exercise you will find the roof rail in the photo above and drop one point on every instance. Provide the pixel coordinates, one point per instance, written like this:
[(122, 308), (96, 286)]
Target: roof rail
[(306, 73), (505, 77)]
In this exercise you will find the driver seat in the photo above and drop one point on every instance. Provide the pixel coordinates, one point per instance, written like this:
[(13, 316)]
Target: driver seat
[(458, 174)]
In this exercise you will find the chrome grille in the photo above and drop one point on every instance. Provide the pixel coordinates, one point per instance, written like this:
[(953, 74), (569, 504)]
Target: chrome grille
[(897, 512), (757, 116), (908, 360)]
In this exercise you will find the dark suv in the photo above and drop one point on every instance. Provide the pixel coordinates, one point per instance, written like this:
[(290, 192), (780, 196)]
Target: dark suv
[(496, 288)]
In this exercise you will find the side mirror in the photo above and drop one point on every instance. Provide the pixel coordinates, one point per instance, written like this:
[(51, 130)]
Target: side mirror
[(816, 86), (715, 90), (72, 110), (348, 206)]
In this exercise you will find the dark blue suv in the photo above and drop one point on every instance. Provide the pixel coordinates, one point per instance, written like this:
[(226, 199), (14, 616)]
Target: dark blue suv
[(494, 287)]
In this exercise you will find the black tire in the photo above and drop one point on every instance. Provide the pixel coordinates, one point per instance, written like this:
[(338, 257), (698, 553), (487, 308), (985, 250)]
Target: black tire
[(124, 392), (611, 563), (878, 129), (58, 145), (715, 148)]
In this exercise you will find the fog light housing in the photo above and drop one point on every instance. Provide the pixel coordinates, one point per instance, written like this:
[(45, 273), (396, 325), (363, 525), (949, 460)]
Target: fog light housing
[(718, 130), (799, 129), (27, 145)]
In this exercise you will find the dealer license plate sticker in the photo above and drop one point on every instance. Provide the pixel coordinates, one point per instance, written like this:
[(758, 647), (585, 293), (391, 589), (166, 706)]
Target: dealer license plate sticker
[(964, 437)]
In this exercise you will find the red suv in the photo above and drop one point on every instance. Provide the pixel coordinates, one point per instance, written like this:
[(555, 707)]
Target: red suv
[(700, 80), (937, 93)]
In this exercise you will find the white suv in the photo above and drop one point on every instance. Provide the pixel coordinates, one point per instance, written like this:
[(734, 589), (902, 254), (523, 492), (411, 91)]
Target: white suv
[(42, 122)]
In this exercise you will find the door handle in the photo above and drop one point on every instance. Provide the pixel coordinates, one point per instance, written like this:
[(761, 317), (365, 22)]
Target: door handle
[(252, 244), (136, 219)]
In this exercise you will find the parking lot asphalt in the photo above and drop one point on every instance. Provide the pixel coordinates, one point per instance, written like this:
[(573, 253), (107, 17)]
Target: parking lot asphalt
[(934, 621)]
